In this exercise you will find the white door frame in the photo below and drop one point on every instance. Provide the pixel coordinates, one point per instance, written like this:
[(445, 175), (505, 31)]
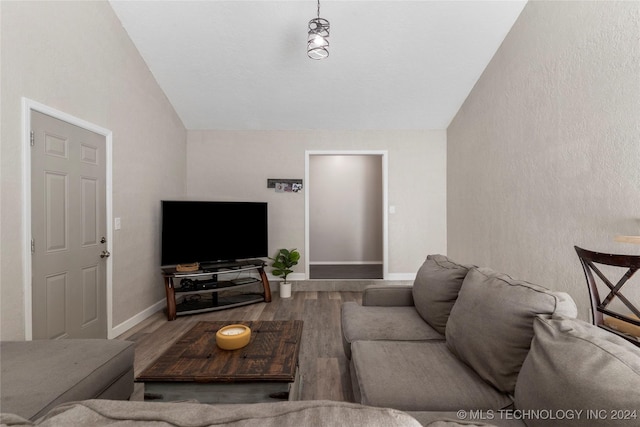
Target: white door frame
[(385, 200), (28, 106)]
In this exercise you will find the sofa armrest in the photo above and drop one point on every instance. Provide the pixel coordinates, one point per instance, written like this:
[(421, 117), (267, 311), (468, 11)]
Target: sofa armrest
[(388, 295)]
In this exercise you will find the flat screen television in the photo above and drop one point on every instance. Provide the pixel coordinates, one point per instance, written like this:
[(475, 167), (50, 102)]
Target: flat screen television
[(207, 232)]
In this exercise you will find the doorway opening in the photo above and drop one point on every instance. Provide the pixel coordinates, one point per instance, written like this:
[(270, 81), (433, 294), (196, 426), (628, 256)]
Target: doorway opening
[(346, 216)]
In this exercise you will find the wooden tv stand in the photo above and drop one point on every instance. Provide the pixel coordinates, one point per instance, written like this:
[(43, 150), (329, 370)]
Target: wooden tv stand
[(215, 286)]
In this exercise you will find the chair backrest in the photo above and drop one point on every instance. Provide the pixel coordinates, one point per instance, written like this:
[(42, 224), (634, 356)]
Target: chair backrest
[(600, 307)]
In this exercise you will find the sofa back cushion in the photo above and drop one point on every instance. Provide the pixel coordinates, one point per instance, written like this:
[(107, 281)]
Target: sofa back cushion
[(576, 366), (435, 289), (491, 324)]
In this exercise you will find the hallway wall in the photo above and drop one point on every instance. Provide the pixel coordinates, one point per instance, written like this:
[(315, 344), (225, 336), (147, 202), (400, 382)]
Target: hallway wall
[(235, 165), (345, 209)]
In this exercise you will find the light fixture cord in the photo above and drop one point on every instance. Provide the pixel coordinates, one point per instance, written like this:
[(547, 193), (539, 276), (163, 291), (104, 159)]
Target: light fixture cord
[(318, 8)]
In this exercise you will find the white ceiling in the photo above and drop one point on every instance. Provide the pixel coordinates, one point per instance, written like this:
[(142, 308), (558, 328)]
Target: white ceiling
[(243, 64)]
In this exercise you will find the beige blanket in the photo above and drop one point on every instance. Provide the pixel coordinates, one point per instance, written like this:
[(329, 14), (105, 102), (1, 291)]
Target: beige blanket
[(98, 413)]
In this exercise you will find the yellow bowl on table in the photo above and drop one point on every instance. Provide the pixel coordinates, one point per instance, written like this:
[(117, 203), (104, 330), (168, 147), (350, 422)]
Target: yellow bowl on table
[(233, 337)]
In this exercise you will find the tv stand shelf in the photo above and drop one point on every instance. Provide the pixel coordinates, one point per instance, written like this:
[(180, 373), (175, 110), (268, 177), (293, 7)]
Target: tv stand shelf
[(215, 287)]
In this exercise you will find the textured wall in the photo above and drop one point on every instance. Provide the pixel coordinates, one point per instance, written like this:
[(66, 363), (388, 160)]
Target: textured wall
[(235, 165), (76, 57), (545, 152)]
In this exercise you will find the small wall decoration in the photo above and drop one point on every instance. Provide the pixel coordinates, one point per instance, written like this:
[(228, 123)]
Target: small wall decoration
[(282, 185)]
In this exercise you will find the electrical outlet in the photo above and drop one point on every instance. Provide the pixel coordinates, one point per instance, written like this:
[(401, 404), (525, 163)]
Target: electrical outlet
[(117, 224)]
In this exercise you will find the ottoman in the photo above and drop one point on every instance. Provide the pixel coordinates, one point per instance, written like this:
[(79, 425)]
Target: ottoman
[(38, 375)]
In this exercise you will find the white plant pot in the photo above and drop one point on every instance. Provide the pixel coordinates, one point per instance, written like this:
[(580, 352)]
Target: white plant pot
[(285, 290)]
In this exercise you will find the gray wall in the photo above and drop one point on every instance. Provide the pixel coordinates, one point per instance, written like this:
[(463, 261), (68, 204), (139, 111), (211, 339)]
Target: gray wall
[(235, 165), (545, 152), (75, 57), (345, 209)]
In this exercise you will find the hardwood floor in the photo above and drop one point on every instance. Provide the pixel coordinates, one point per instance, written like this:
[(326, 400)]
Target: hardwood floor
[(345, 271), (322, 362)]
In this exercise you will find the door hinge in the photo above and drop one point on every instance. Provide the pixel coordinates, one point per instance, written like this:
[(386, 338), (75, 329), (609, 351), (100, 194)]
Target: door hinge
[(32, 138), (33, 246)]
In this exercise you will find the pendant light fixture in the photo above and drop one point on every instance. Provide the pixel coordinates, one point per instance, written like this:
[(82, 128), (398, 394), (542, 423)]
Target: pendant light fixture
[(318, 38)]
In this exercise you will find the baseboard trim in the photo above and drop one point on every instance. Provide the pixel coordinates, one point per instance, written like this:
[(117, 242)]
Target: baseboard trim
[(294, 277), (133, 321), (340, 285)]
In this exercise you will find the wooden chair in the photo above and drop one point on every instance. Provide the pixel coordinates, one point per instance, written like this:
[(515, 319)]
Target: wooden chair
[(625, 325)]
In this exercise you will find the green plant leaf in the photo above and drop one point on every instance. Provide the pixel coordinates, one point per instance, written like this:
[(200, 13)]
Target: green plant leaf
[(283, 261)]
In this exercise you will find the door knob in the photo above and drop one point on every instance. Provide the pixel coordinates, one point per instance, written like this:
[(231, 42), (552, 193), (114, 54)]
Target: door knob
[(103, 240), (105, 254)]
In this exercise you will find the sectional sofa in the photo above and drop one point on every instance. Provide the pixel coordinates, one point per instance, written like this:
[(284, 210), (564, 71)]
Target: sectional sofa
[(470, 344), (462, 346)]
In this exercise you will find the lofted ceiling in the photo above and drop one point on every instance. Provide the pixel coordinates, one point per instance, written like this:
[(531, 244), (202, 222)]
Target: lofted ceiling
[(242, 65)]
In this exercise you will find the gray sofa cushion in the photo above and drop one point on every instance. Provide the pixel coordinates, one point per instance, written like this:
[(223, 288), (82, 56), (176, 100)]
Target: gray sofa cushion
[(491, 325), (435, 289), (388, 295), (575, 366), (96, 413), (418, 376), (38, 375), (383, 323)]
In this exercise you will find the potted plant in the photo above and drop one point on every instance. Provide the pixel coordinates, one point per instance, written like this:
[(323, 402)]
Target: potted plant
[(282, 263)]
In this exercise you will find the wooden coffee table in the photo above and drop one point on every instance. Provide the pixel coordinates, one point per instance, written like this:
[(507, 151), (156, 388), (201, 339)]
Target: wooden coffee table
[(195, 368)]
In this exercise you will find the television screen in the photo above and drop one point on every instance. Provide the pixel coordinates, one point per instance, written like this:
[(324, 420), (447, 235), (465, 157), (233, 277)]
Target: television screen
[(199, 231)]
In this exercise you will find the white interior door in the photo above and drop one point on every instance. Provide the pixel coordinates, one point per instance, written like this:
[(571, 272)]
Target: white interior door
[(68, 221)]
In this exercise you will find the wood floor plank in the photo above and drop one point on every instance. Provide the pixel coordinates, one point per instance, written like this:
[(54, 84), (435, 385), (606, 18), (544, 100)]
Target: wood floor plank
[(311, 295), (309, 349), (329, 388), (334, 295), (322, 363), (349, 271), (330, 344)]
